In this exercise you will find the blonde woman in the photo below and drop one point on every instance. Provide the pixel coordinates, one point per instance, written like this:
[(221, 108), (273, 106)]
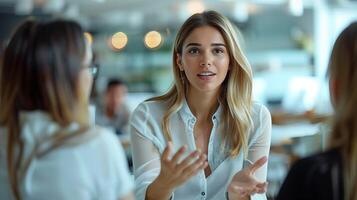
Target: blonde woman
[(48, 148), (204, 138), (332, 175)]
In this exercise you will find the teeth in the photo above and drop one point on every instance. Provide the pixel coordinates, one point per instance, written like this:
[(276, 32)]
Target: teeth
[(206, 74)]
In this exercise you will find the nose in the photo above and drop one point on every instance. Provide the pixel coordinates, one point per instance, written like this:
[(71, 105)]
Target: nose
[(205, 60), (205, 64)]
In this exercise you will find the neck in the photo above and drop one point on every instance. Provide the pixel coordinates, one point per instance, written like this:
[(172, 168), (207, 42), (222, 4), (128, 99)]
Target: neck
[(202, 104)]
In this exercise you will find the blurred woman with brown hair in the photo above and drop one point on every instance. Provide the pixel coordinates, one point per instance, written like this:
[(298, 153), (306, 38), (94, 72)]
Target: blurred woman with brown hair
[(48, 148), (333, 174)]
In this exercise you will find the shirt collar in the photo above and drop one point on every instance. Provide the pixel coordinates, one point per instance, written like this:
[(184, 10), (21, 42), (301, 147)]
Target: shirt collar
[(187, 115)]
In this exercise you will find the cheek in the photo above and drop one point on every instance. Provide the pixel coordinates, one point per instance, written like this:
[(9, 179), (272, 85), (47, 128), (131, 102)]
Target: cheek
[(223, 64), (189, 62)]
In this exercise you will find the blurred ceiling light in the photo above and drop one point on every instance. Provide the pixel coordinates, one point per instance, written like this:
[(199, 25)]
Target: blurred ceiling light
[(88, 37), (254, 9), (119, 40), (195, 6), (153, 39), (296, 7), (240, 11), (99, 1)]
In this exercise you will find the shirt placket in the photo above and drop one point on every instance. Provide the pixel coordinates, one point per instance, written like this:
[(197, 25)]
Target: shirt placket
[(201, 175)]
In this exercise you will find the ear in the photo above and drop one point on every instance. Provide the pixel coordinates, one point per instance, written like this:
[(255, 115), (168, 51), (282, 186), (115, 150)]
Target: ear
[(179, 61)]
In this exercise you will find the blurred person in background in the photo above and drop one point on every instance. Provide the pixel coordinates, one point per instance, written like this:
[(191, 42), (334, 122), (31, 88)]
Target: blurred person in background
[(113, 112), (332, 175), (204, 138), (48, 148)]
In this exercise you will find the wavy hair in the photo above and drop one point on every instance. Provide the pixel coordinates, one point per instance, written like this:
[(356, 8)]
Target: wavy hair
[(343, 71), (236, 92), (40, 71)]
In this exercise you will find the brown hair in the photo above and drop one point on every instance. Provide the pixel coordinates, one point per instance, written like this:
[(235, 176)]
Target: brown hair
[(40, 71), (343, 71)]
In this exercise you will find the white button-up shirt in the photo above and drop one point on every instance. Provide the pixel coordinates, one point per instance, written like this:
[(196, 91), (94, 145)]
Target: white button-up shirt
[(148, 143), (90, 166)]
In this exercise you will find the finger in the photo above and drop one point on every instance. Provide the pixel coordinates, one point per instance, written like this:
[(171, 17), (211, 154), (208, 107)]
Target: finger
[(178, 154), (262, 187), (167, 152), (248, 190), (258, 164), (187, 161), (260, 190), (195, 167), (239, 190)]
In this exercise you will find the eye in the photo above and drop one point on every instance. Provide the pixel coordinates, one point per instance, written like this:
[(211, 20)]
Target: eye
[(193, 50), (218, 51)]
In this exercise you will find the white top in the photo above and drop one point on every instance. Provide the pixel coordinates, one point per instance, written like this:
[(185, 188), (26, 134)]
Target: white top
[(148, 143), (89, 166)]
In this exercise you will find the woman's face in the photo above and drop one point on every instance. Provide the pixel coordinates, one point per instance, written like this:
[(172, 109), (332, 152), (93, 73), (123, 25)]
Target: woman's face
[(204, 59), (85, 76)]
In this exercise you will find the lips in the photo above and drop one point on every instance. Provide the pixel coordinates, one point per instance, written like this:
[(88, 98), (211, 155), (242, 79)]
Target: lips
[(206, 74)]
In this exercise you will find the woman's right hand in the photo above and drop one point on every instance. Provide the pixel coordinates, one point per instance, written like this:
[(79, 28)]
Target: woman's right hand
[(174, 173)]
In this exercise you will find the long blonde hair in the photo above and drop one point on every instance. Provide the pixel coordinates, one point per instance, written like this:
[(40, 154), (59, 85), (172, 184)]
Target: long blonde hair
[(40, 71), (343, 71), (236, 93)]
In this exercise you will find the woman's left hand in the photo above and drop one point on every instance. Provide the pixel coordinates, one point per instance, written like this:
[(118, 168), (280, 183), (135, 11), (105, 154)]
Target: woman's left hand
[(244, 184)]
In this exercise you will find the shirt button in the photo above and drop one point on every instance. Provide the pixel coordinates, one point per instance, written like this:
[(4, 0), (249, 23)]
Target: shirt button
[(203, 193)]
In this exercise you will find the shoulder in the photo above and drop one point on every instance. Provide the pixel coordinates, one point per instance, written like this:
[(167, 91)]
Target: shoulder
[(103, 152), (151, 106), (96, 142), (311, 177), (105, 138), (315, 167), (260, 112), (320, 163), (261, 119), (149, 110)]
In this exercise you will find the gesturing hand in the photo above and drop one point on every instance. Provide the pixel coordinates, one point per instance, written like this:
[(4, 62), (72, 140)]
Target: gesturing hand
[(244, 183), (174, 173)]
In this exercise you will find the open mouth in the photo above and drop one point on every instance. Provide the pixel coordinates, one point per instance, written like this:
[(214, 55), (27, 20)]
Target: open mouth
[(206, 74)]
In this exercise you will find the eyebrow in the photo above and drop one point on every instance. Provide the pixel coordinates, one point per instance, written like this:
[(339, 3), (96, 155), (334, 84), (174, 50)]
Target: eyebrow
[(198, 44)]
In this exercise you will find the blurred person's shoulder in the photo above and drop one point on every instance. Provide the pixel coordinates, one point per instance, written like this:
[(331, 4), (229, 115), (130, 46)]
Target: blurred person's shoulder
[(321, 163), (102, 135), (94, 141), (318, 176)]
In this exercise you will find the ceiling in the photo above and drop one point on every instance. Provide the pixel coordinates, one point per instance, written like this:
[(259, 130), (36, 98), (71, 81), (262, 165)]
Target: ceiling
[(138, 13), (103, 14)]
